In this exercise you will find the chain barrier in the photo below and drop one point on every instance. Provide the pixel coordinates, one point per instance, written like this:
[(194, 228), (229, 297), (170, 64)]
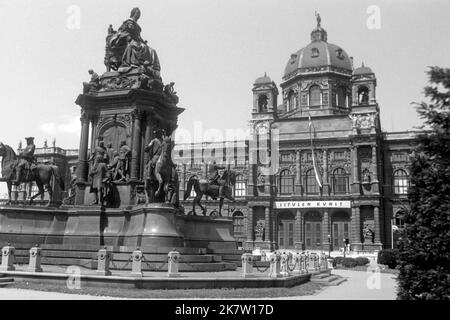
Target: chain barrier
[(149, 266), (123, 267), (293, 268), (263, 270)]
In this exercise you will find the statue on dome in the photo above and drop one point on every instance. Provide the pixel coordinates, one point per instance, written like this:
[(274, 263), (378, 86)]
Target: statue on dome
[(319, 20)]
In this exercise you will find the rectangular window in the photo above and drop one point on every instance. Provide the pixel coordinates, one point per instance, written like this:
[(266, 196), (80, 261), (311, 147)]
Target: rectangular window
[(339, 155), (240, 189), (286, 157)]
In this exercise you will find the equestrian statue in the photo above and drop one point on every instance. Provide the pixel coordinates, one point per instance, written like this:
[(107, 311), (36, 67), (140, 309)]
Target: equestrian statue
[(216, 187), (17, 169), (161, 178)]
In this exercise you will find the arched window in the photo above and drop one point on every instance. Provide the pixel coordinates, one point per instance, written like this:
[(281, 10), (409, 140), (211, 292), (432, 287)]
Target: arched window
[(286, 182), (240, 188), (238, 223), (401, 182), (291, 102), (314, 96), (340, 181), (262, 103), (311, 182), (363, 95), (399, 221), (341, 94), (193, 194)]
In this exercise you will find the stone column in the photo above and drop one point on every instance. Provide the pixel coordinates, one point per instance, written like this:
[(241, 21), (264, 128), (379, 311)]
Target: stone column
[(94, 133), (82, 167), (326, 229), (326, 185), (377, 224), (147, 137), (375, 183), (268, 227), (298, 241), (355, 171), (136, 145), (356, 228), (250, 226), (298, 182)]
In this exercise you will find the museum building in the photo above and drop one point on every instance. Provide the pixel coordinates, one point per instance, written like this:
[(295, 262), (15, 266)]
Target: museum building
[(339, 178)]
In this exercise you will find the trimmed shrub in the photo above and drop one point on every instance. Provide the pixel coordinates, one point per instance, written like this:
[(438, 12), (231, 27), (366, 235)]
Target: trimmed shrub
[(349, 263), (337, 260), (362, 261), (388, 257)]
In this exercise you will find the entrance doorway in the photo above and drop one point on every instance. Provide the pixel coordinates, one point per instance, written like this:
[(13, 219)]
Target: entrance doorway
[(286, 222), (286, 234), (340, 233), (313, 235)]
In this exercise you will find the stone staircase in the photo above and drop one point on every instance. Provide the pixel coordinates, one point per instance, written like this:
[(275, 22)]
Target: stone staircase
[(5, 281), (326, 278)]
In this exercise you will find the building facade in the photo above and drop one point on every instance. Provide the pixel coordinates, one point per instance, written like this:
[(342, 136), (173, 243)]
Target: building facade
[(333, 176)]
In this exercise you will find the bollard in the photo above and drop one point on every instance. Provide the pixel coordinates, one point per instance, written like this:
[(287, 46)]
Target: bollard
[(35, 259), (136, 265), (324, 262), (316, 262), (247, 265), (275, 265), (330, 264), (284, 268), (173, 263), (8, 258), (298, 263), (304, 262), (104, 258)]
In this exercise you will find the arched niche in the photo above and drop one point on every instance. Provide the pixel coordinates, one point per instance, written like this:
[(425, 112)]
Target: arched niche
[(114, 132)]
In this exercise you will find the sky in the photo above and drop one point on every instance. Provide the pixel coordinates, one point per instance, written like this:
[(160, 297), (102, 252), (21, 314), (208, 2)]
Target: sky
[(212, 49)]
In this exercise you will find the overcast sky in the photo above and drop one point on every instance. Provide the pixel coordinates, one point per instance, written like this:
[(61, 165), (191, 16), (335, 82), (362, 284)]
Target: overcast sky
[(212, 49)]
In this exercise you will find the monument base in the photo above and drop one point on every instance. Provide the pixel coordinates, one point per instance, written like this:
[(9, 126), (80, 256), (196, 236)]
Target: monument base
[(73, 235)]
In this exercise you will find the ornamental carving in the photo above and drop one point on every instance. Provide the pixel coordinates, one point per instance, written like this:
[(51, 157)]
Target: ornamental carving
[(363, 120)]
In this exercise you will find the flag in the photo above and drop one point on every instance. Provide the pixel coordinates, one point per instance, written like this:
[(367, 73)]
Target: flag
[(316, 171)]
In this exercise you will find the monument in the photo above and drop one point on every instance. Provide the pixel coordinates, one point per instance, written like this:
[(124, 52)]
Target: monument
[(125, 190)]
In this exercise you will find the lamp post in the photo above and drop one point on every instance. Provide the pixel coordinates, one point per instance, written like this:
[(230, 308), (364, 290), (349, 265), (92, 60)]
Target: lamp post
[(329, 246), (345, 247)]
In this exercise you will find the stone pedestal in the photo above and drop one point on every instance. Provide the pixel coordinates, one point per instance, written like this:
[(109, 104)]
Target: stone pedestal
[(136, 264), (173, 260), (247, 265), (284, 265), (104, 258), (35, 259), (8, 258), (275, 266)]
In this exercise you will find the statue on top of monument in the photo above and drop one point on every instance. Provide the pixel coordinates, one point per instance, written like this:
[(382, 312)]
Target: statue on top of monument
[(126, 48), (93, 84)]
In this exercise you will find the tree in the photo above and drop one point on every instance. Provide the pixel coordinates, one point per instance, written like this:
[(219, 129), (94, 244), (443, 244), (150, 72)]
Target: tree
[(425, 248)]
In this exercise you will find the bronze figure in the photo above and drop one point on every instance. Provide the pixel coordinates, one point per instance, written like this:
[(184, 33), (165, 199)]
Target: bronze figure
[(213, 190), (42, 174)]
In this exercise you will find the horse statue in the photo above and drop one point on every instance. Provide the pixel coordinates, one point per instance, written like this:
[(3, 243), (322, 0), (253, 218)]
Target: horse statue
[(202, 187), (165, 174), (42, 174)]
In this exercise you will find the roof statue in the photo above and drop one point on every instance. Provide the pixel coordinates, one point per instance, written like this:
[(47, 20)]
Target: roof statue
[(318, 19)]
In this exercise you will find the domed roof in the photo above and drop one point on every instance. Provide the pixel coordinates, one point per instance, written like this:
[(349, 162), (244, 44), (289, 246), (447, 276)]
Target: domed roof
[(362, 70), (263, 79), (319, 53)]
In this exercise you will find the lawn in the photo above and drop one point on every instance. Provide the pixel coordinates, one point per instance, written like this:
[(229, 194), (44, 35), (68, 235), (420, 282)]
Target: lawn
[(308, 288)]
